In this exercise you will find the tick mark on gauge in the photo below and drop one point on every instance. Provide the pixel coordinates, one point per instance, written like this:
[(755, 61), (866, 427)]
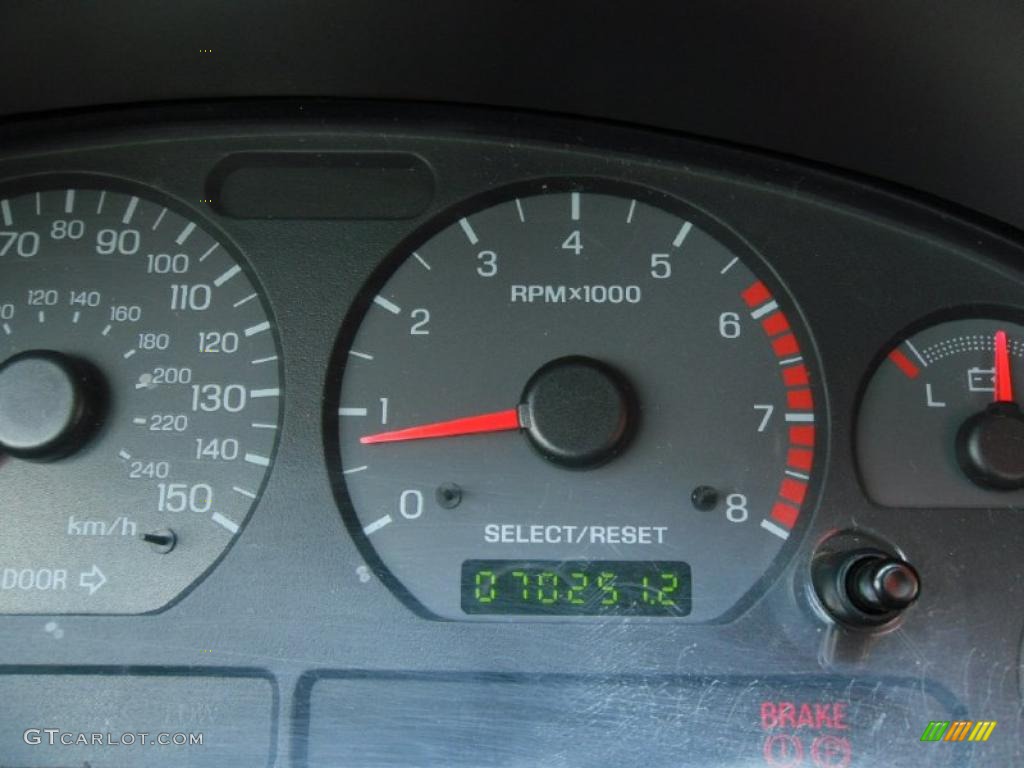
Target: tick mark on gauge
[(468, 229), (129, 353), (361, 355), (259, 461), (105, 331), (209, 250), (42, 316), (99, 205), (247, 299), (243, 492), (257, 393), (519, 210), (351, 411), (189, 228), (139, 421), (730, 265), (390, 306), (422, 261), (354, 470), (76, 317), (631, 211), (5, 208), (575, 206), (258, 328), (124, 455), (683, 232), (772, 528), (258, 425), (764, 309), (800, 417), (130, 210), (227, 276), (159, 218), (262, 360), (224, 522), (69, 201), (376, 525), (7, 329)]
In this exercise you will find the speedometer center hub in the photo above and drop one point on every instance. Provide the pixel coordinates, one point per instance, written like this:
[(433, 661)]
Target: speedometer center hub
[(50, 405)]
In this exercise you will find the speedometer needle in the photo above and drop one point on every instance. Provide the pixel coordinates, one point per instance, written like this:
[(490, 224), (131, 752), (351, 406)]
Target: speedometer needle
[(1004, 382), (500, 421)]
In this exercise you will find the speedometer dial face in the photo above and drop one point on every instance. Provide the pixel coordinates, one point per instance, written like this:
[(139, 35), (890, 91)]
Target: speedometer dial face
[(575, 404), (139, 399)]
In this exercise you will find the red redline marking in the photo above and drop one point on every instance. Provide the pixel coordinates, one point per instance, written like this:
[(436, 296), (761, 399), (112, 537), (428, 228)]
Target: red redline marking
[(786, 346), (803, 436), (800, 455), (775, 324), (785, 514), (800, 459), (793, 490), (905, 364), (799, 400), (756, 295), (796, 376)]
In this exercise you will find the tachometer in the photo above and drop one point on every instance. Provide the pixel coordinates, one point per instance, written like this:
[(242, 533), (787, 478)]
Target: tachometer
[(139, 398), (575, 403)]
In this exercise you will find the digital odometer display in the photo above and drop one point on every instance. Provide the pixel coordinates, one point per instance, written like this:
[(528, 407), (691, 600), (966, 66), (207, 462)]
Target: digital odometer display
[(576, 588)]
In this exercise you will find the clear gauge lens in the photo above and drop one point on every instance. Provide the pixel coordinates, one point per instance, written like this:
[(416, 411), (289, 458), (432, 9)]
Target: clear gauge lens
[(940, 422), (575, 404), (139, 400)]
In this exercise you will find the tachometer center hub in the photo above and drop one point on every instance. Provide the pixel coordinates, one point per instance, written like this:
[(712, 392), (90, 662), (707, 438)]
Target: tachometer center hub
[(578, 412)]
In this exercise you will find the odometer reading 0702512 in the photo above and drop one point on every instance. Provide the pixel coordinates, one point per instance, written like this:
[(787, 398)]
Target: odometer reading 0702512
[(139, 399), (575, 403)]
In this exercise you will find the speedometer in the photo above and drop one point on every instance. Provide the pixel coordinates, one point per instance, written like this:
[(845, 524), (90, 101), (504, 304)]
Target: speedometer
[(568, 403), (139, 398)]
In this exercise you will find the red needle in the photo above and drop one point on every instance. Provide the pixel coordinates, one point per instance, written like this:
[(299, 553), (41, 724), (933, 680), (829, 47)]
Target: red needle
[(501, 421), (1004, 383)]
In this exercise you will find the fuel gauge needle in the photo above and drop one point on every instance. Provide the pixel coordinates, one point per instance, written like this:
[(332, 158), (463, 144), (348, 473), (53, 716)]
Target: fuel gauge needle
[(499, 421), (1004, 381)]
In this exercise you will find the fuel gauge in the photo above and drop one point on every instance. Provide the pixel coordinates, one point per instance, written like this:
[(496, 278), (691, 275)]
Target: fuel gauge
[(940, 421)]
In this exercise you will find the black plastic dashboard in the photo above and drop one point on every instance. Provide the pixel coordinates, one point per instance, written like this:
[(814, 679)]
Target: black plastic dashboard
[(303, 642)]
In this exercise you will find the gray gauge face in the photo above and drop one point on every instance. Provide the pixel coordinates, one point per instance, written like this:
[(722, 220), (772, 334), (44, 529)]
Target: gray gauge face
[(940, 423), (573, 405), (139, 400)]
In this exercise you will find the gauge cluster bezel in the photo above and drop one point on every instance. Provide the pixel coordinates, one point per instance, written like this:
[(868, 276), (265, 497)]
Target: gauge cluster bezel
[(297, 598)]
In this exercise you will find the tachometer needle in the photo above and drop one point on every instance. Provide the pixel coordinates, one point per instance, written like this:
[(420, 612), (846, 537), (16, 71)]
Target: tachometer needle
[(500, 421), (1004, 382)]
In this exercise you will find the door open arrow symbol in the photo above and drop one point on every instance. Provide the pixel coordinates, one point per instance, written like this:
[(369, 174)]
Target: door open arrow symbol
[(92, 580)]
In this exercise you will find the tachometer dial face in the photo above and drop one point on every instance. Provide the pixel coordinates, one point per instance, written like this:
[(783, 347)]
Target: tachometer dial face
[(139, 399), (940, 422), (575, 404)]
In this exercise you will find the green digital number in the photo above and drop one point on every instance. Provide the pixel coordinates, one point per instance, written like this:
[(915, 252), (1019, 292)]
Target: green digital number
[(552, 596), (606, 583), (655, 596), (583, 581), (669, 584), (524, 580), (485, 590)]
